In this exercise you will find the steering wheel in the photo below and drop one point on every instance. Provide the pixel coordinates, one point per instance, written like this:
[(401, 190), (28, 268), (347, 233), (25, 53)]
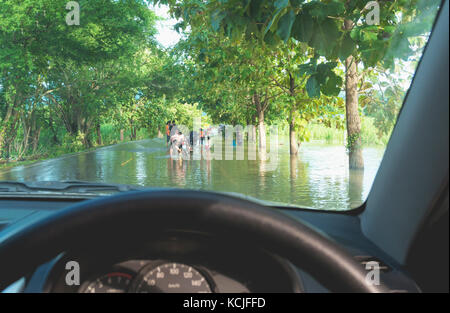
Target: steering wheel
[(141, 213)]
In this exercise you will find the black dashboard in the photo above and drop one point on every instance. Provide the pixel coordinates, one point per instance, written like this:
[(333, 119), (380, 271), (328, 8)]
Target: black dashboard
[(187, 261), (177, 261)]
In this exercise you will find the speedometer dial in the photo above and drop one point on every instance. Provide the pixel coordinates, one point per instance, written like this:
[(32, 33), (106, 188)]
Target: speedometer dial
[(172, 278), (110, 283)]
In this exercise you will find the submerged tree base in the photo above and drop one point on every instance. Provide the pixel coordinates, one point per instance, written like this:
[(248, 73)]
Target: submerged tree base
[(356, 160)]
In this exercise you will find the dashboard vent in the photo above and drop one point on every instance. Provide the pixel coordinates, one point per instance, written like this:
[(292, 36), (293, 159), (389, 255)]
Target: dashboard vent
[(364, 259)]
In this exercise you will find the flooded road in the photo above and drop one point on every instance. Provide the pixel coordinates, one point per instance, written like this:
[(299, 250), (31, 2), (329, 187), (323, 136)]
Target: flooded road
[(317, 178)]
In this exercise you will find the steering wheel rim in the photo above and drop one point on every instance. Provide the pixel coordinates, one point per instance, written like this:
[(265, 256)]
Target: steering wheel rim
[(159, 209)]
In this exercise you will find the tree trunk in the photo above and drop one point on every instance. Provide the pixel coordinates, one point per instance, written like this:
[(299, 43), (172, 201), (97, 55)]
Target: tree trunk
[(252, 131), (36, 140), (54, 133), (121, 135), (26, 135), (351, 104), (261, 126), (355, 188), (262, 131), (99, 135), (293, 177), (132, 130), (293, 145)]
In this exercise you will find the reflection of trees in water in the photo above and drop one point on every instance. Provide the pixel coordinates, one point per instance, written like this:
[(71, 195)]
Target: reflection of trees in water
[(205, 166), (318, 177), (323, 181), (293, 162), (176, 171), (355, 187), (298, 177), (181, 171), (262, 176)]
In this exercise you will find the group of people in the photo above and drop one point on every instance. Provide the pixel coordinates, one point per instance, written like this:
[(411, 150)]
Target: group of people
[(176, 141), (175, 138)]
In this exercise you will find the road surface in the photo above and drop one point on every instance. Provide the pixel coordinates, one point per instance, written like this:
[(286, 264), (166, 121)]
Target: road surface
[(318, 178)]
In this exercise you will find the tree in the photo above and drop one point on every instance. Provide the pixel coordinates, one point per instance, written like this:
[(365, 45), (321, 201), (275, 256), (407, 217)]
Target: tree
[(232, 80), (334, 29), (41, 57)]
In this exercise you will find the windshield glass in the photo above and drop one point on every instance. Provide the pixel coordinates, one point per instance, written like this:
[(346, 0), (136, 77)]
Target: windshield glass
[(290, 102)]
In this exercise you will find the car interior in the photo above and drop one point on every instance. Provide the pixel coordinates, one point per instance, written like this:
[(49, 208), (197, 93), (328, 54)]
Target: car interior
[(228, 244)]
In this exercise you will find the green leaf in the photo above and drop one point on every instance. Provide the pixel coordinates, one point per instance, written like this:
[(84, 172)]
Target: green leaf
[(347, 47), (307, 69), (216, 18), (281, 4), (335, 8), (317, 10), (332, 86), (297, 3), (325, 70), (313, 87), (270, 39), (368, 35), (255, 8), (285, 25), (303, 27), (325, 36), (355, 33), (273, 22)]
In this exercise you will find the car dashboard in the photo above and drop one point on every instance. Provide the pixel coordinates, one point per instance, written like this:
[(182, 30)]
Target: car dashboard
[(186, 261), (177, 261)]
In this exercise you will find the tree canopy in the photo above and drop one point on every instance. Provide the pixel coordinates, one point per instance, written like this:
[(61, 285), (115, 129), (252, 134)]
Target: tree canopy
[(250, 62)]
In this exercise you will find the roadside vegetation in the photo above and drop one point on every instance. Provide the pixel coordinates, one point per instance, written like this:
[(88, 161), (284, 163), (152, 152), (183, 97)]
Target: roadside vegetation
[(317, 67)]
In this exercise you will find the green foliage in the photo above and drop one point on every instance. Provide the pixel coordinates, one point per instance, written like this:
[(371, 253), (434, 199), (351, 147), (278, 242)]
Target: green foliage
[(71, 143), (241, 62), (319, 24), (330, 135), (59, 82), (370, 135)]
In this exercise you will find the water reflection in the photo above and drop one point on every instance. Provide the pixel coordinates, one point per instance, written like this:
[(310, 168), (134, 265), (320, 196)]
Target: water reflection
[(355, 187), (318, 177)]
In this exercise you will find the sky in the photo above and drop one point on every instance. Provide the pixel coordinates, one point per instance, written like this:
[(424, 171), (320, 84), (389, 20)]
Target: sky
[(167, 36)]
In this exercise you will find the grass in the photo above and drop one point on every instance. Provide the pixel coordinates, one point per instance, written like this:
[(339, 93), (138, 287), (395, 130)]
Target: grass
[(47, 149), (369, 134), (320, 132)]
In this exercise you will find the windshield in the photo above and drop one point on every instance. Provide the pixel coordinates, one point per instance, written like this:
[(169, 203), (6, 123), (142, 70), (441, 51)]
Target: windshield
[(289, 102)]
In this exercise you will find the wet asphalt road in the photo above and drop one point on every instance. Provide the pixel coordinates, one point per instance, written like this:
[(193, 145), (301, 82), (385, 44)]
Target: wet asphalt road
[(318, 178)]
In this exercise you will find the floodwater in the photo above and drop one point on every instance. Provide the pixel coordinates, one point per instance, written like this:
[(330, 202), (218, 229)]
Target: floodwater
[(317, 178)]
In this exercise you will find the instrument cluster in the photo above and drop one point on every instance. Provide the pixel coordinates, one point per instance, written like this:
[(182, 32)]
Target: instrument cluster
[(143, 276), (175, 263)]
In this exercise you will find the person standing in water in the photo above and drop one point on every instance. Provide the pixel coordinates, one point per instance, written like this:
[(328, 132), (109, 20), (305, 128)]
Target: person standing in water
[(167, 133), (176, 142), (202, 136)]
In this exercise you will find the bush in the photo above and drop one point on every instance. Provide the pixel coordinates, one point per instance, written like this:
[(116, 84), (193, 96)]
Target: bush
[(327, 134), (72, 143), (370, 134)]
